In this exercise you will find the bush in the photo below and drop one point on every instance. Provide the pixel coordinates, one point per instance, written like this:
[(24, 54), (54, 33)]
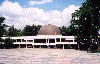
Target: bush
[(8, 43)]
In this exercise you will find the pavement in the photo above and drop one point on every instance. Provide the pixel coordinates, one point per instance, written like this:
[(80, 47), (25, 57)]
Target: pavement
[(47, 56)]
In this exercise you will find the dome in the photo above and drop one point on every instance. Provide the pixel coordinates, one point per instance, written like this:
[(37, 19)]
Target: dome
[(49, 30)]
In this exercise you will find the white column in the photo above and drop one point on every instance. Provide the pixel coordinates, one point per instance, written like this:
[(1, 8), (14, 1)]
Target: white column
[(19, 45), (40, 45), (33, 43), (60, 40), (33, 46), (55, 43), (48, 40), (73, 40), (26, 45), (16, 40), (63, 46), (21, 41), (78, 47), (33, 40), (55, 40), (48, 43)]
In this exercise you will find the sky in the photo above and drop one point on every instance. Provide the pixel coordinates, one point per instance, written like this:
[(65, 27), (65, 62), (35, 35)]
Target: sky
[(39, 12)]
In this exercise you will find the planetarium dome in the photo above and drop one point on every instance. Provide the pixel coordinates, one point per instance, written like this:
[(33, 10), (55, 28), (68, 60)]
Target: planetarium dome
[(49, 30)]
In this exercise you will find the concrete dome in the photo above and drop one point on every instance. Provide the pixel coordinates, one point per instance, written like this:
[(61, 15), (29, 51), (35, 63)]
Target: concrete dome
[(49, 30)]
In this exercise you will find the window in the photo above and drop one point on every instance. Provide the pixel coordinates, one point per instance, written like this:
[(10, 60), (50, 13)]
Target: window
[(63, 40), (23, 40), (58, 39), (18, 40), (29, 40), (51, 40), (69, 40), (14, 40), (39, 40)]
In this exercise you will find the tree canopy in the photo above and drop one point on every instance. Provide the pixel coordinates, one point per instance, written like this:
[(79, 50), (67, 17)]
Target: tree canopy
[(86, 21), (12, 31), (2, 26), (31, 30)]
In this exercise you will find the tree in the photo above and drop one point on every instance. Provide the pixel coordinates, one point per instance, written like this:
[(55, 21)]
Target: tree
[(20, 32), (2, 26), (8, 43), (86, 22), (31, 30), (12, 31), (65, 31)]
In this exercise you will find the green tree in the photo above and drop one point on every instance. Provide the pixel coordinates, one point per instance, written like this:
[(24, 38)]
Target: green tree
[(31, 30), (8, 43), (12, 31), (65, 31), (20, 32), (86, 22), (2, 26)]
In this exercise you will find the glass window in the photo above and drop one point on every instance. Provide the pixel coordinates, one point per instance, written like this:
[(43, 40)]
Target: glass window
[(18, 40), (51, 40), (29, 40), (23, 40), (58, 39), (63, 40), (39, 40), (69, 40)]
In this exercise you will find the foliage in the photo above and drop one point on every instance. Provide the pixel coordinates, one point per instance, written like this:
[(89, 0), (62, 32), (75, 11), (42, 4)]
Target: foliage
[(8, 42), (12, 31), (27, 31), (20, 32), (86, 21), (31, 30), (2, 26), (65, 31)]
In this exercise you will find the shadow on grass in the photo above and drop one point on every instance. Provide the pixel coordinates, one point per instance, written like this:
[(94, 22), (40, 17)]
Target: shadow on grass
[(98, 51)]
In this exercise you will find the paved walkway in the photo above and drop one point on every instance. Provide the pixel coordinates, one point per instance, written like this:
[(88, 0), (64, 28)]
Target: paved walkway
[(47, 56)]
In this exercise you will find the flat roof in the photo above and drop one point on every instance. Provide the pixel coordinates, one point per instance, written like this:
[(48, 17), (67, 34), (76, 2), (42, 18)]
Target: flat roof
[(40, 37)]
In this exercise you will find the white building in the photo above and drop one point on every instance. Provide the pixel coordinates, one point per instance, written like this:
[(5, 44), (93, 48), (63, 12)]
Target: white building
[(49, 36)]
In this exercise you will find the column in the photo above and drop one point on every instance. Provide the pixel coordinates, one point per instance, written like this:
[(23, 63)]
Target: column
[(33, 43), (21, 41), (60, 40), (33, 46), (48, 43), (26, 45), (63, 46), (55, 43), (48, 40), (55, 40), (40, 45), (73, 40), (78, 46), (19, 45)]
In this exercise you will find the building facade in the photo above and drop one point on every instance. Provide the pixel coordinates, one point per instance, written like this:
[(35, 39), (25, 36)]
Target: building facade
[(49, 36)]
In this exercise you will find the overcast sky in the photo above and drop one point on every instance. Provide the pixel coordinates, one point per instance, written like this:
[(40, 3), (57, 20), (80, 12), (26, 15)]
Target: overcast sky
[(39, 12)]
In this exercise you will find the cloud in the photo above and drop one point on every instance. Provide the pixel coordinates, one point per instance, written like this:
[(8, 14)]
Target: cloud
[(19, 16), (10, 8), (66, 13), (39, 2)]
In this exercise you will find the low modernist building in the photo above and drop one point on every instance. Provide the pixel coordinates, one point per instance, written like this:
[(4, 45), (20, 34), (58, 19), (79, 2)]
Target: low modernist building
[(48, 36)]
